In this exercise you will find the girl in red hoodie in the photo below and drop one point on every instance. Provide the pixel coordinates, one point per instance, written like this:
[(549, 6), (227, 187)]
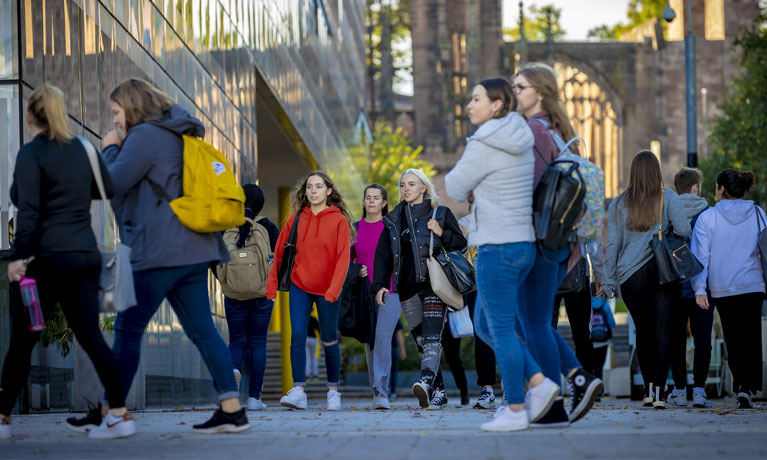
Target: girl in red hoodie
[(319, 271)]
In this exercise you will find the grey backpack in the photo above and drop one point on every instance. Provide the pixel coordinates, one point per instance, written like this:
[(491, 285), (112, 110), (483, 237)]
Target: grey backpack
[(244, 276)]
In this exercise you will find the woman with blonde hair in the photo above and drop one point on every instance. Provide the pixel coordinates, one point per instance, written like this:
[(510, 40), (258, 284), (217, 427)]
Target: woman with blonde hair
[(53, 185), (632, 220), (321, 264), (145, 158), (400, 268), (537, 98)]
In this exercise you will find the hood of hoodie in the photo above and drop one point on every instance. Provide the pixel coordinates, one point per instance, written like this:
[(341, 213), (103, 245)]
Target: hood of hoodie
[(735, 211), (693, 204), (314, 222), (178, 120), (509, 134)]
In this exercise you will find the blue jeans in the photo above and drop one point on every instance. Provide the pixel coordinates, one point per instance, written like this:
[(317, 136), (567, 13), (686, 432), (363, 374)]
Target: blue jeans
[(186, 288), (248, 322), (501, 269), (327, 312), (546, 345)]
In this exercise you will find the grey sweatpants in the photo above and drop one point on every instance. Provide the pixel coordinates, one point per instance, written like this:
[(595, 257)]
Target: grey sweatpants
[(379, 360)]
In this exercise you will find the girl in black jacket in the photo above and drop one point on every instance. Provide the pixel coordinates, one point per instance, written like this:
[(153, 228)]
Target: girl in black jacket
[(401, 256)]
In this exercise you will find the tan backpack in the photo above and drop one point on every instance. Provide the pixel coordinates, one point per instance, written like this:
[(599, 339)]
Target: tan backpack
[(244, 276)]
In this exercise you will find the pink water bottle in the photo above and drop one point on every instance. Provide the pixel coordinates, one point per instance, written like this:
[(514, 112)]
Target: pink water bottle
[(31, 301)]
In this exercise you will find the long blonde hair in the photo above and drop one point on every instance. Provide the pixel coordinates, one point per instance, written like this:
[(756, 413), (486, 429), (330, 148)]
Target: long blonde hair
[(141, 101), (49, 108), (642, 196), (544, 80), (430, 193)]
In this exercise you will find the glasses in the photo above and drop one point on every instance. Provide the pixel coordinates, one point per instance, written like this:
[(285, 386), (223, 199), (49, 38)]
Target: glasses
[(519, 88)]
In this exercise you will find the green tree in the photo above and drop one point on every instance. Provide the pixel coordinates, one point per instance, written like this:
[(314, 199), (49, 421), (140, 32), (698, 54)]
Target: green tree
[(639, 12), (537, 22), (391, 154), (739, 135)]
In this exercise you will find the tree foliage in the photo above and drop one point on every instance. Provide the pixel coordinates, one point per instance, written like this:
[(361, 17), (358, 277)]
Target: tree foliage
[(739, 135), (391, 154), (639, 12), (536, 23)]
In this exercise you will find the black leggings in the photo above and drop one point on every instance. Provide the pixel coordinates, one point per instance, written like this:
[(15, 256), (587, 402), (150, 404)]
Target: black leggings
[(452, 353), (70, 279), (484, 357), (650, 306), (578, 306), (741, 317), (701, 322)]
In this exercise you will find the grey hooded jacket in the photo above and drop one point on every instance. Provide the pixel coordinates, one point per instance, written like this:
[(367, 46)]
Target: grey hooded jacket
[(498, 166), (147, 223)]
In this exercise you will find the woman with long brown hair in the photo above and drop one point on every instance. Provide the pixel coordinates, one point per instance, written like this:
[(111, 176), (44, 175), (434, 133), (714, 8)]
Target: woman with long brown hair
[(53, 186), (537, 98), (318, 275), (632, 220)]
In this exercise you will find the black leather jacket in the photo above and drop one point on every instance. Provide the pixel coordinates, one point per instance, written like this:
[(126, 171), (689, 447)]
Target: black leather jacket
[(406, 225)]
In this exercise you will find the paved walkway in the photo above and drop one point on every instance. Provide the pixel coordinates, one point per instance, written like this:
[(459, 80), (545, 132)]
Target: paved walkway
[(614, 429)]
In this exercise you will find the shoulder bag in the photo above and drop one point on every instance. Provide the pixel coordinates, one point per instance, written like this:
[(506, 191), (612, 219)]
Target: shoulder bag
[(288, 256), (676, 263), (450, 274), (116, 290)]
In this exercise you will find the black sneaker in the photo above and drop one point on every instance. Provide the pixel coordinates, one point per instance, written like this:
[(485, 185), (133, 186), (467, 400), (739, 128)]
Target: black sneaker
[(464, 399), (421, 391), (744, 400), (585, 389), (556, 417), (221, 422), (438, 399), (85, 424), (486, 399)]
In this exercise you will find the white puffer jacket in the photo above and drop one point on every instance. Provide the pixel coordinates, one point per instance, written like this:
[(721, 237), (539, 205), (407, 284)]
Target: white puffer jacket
[(497, 166)]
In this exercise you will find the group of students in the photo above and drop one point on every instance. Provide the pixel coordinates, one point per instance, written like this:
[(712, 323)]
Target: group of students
[(517, 281)]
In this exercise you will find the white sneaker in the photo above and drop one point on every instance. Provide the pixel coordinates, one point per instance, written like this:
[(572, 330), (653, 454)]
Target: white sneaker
[(5, 428), (334, 400), (660, 399), (113, 427), (486, 399), (541, 398), (295, 399), (237, 378), (382, 402), (699, 398), (677, 398), (505, 419), (255, 404)]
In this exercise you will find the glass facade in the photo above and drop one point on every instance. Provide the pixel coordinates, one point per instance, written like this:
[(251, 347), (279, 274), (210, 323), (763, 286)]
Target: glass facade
[(212, 57)]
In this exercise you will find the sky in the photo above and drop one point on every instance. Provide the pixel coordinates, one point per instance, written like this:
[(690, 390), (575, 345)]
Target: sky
[(578, 16)]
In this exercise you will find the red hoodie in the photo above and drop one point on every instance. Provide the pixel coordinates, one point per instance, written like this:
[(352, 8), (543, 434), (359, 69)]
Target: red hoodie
[(322, 253)]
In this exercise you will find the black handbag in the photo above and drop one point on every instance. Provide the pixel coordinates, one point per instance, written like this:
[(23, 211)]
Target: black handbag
[(458, 270), (577, 280), (676, 263), (288, 256)]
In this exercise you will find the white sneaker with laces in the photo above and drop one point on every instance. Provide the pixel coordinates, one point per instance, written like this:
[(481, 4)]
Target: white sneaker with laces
[(113, 427), (295, 399), (334, 400), (677, 398), (255, 404), (382, 402), (699, 398), (541, 398), (505, 419), (486, 399)]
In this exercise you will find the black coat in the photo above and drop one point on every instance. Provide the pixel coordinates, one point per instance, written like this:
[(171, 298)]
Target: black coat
[(358, 310), (403, 247)]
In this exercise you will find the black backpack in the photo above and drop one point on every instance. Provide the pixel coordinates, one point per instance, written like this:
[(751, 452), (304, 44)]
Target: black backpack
[(558, 203)]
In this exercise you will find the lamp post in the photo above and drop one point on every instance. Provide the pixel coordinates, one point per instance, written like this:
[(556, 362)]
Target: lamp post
[(689, 64)]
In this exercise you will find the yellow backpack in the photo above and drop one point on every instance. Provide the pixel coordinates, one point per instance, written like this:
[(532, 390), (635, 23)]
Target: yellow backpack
[(212, 200)]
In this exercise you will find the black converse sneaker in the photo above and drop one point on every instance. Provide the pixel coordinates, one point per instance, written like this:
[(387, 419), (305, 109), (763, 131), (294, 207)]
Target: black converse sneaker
[(86, 423), (486, 399), (421, 391), (744, 400), (438, 399), (221, 422), (585, 389), (556, 417)]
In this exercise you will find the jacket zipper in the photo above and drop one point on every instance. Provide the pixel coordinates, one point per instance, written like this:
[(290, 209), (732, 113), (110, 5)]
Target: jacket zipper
[(414, 242)]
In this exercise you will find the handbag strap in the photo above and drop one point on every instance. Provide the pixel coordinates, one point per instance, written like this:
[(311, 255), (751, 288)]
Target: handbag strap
[(93, 159), (660, 217), (293, 237), (431, 237)]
